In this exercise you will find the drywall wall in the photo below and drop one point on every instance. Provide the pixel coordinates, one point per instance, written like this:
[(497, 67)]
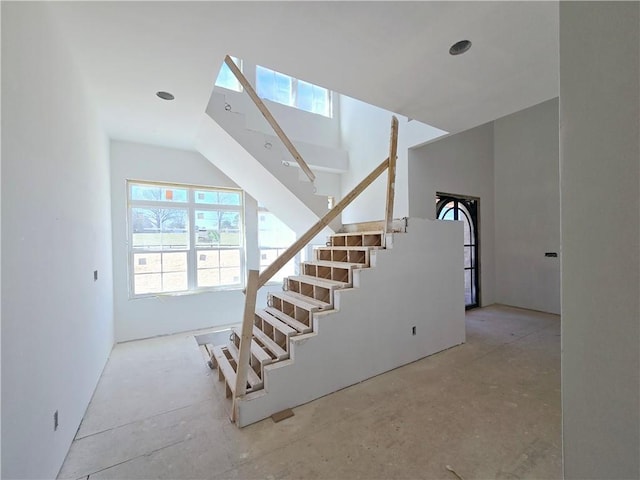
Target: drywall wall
[(164, 314), (371, 331), (527, 208), (459, 164), (57, 322), (365, 132), (0, 243), (600, 213)]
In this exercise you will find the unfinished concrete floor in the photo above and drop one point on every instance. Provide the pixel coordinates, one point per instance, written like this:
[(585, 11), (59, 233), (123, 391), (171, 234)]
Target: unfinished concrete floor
[(489, 408)]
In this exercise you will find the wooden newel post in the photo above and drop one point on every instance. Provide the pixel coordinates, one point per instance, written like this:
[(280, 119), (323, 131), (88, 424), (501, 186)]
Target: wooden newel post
[(391, 177), (244, 355)]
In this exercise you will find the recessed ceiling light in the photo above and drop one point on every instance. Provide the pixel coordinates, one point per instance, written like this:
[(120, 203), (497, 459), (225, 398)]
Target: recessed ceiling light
[(165, 95), (460, 47)]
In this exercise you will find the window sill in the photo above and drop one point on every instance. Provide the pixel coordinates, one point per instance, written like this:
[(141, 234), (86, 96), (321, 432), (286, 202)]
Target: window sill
[(186, 293)]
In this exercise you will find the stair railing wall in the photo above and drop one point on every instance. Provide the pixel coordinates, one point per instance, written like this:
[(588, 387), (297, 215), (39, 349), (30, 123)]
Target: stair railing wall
[(269, 117), (255, 280)]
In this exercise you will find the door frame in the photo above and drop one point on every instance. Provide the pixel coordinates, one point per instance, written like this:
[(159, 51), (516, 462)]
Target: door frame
[(442, 199)]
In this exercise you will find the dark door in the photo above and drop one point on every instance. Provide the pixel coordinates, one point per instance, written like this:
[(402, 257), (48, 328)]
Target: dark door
[(465, 209)]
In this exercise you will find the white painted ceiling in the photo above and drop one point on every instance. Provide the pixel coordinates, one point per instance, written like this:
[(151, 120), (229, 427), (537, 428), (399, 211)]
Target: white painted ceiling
[(390, 54)]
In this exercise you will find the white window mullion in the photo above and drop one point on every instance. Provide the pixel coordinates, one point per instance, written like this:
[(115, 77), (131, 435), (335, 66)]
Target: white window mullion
[(192, 261), (294, 92)]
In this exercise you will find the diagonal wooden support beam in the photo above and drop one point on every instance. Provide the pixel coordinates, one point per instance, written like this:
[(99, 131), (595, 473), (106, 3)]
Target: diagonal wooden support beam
[(267, 115)]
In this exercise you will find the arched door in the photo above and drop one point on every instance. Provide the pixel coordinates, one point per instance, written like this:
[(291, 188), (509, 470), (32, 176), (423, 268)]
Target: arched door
[(453, 207)]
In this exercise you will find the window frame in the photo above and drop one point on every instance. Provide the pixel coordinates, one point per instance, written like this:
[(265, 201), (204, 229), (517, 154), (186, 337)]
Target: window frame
[(294, 94), (239, 63), (465, 209), (192, 250)]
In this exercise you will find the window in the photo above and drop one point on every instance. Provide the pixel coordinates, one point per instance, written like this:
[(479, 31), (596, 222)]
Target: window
[(184, 238), (274, 237), (290, 91), (226, 78)]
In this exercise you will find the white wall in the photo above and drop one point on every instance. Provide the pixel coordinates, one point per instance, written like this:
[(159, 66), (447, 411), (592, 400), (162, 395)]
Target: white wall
[(365, 132), (0, 244), (57, 323), (527, 208), (164, 314), (459, 164), (600, 196)]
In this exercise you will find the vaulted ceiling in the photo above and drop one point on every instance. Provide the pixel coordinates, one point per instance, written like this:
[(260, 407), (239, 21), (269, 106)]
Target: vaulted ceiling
[(390, 54)]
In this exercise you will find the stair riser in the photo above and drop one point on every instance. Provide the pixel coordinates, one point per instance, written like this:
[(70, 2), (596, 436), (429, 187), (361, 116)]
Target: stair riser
[(312, 291), (254, 362), (360, 256), (298, 313), (357, 240), (338, 274), (229, 368), (273, 333), (299, 327)]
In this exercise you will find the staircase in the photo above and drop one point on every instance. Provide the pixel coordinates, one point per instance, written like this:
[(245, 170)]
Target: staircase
[(369, 302), (336, 323), (290, 313)]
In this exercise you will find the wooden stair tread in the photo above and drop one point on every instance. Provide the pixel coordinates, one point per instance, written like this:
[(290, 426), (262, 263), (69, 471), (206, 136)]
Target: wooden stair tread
[(301, 301), (256, 350), (277, 324), (299, 326), (354, 247), (329, 263), (345, 234), (279, 352), (225, 367), (321, 282), (252, 377)]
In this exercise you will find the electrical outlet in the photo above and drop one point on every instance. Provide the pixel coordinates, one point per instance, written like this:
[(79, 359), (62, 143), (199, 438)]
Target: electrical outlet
[(413, 330), (95, 275), (55, 420)]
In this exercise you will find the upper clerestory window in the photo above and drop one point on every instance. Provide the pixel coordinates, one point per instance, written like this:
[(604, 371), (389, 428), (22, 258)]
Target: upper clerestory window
[(226, 78), (293, 92)]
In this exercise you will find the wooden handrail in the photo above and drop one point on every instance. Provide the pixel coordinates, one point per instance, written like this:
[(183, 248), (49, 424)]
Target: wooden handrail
[(391, 178), (267, 115)]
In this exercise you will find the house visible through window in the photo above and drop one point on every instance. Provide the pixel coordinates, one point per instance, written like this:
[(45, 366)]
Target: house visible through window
[(226, 78), (274, 237), (290, 91), (184, 238)]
